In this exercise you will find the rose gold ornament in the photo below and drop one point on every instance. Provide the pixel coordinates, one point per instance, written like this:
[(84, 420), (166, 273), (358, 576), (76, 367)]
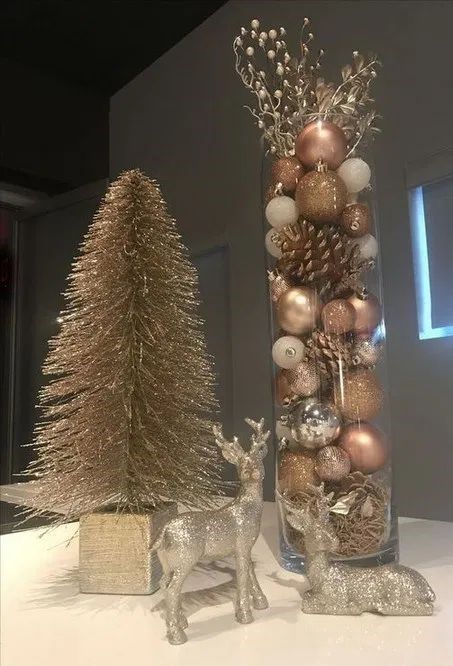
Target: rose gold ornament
[(332, 463), (296, 471), (359, 395), (321, 196), (366, 446), (338, 316), (287, 171), (278, 285), (368, 311), (356, 220), (297, 310), (304, 379), (323, 141), (282, 391)]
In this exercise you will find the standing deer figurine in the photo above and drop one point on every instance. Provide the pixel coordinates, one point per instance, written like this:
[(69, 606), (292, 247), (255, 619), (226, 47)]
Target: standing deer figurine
[(341, 589), (211, 535)]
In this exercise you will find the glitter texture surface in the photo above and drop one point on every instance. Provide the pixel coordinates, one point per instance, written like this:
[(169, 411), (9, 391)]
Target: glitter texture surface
[(125, 412)]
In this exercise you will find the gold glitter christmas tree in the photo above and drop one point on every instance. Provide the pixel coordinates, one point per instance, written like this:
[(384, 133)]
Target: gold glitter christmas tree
[(126, 411)]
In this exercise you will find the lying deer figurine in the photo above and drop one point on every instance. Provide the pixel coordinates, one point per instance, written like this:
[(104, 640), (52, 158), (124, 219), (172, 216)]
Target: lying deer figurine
[(212, 535), (340, 589)]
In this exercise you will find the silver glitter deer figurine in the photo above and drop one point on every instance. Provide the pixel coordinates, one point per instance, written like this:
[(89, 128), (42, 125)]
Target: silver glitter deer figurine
[(340, 589), (211, 535)]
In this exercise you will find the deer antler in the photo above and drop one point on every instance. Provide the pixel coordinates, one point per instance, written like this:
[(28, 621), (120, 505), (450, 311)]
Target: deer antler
[(231, 450), (259, 437), (322, 502)]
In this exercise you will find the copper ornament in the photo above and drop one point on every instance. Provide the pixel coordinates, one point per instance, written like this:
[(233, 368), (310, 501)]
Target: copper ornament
[(296, 471), (366, 446), (359, 395), (304, 379), (338, 316), (278, 285), (297, 310), (287, 171), (356, 220), (322, 141), (321, 196), (368, 311), (283, 393), (332, 463)]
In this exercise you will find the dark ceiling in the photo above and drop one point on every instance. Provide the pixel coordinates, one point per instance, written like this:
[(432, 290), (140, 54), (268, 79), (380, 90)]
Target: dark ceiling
[(102, 45)]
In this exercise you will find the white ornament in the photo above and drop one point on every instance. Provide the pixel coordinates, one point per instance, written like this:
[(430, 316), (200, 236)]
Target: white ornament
[(272, 34), (273, 249), (368, 247), (271, 54), (288, 351), (255, 24), (281, 211), (250, 50), (355, 173)]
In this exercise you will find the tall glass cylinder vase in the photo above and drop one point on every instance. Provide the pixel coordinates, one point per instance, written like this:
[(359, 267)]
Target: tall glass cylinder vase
[(328, 349)]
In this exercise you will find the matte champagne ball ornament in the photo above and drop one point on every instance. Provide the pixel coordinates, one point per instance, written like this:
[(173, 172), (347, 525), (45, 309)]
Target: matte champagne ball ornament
[(304, 379), (322, 141), (321, 196), (366, 352), (281, 211), (368, 311), (297, 310), (271, 247), (356, 220), (288, 351), (296, 471), (355, 173), (287, 171), (368, 247), (314, 424), (359, 396), (338, 316), (366, 446), (332, 463)]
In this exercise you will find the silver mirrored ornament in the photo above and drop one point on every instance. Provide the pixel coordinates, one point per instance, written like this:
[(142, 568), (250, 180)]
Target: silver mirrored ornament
[(313, 423)]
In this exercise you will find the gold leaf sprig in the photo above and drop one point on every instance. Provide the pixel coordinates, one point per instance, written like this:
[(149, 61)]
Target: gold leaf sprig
[(290, 92)]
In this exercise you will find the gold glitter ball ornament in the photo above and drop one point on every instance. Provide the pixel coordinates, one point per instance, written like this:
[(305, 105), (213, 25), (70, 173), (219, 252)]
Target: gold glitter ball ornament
[(321, 196), (359, 395), (338, 316), (356, 220), (278, 285), (332, 463), (287, 171), (296, 471), (304, 379)]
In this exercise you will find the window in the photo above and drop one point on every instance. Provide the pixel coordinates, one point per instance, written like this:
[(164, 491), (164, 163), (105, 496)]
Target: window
[(431, 217)]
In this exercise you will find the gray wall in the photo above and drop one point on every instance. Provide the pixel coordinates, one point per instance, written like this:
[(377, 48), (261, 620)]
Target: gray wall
[(181, 120)]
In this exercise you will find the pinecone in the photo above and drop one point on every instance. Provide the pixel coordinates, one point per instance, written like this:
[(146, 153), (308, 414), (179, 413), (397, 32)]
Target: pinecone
[(313, 254), (331, 353)]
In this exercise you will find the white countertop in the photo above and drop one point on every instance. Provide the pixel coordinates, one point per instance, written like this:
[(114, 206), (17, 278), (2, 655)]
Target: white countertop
[(45, 621)]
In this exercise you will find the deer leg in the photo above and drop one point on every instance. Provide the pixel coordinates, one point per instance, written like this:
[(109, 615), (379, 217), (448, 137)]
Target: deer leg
[(243, 610), (258, 597), (176, 623)]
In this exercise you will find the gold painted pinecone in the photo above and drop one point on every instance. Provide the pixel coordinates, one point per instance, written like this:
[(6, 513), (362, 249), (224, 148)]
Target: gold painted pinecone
[(330, 352), (314, 255)]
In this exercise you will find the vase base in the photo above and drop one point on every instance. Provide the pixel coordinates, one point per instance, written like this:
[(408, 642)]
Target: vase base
[(291, 560)]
